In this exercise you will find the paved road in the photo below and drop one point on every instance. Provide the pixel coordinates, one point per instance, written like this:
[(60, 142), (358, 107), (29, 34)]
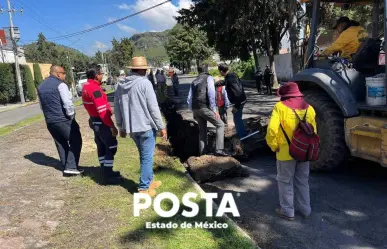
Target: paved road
[(19, 114), (349, 206)]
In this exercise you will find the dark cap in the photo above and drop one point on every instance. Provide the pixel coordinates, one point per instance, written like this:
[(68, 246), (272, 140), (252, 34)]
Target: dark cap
[(342, 19)]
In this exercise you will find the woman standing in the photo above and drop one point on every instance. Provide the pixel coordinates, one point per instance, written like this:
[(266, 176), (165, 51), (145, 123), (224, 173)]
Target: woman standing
[(292, 175)]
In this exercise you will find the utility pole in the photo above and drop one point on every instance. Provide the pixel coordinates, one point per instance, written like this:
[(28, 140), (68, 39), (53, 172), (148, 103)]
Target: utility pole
[(72, 75), (15, 50), (1, 50)]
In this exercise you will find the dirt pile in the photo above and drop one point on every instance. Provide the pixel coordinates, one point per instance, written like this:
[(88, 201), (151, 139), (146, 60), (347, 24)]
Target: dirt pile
[(210, 168)]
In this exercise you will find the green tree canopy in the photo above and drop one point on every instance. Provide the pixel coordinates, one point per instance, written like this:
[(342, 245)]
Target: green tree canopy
[(186, 44)]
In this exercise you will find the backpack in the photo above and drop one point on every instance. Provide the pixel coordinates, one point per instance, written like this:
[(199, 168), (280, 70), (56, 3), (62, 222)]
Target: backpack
[(219, 97), (366, 58), (305, 143)]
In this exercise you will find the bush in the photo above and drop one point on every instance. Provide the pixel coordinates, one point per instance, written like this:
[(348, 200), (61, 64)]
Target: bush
[(38, 78), (249, 73), (244, 69), (28, 82), (8, 85), (214, 72)]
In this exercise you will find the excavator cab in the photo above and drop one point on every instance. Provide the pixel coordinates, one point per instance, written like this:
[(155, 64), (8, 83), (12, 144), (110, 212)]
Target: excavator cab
[(349, 96)]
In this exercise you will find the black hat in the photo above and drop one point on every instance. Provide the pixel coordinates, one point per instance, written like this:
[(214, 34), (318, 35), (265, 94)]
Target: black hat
[(342, 19)]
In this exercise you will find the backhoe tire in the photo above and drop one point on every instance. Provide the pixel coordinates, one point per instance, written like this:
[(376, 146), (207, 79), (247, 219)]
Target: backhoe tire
[(330, 127)]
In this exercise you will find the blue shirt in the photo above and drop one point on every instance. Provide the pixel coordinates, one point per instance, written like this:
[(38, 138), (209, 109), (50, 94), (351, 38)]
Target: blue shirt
[(210, 92)]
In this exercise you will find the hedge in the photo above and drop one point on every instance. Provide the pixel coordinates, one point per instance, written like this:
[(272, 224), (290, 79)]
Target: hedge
[(8, 87), (38, 78), (8, 84), (28, 83)]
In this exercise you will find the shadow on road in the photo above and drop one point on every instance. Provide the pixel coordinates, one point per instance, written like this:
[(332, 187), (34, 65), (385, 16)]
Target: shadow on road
[(93, 172)]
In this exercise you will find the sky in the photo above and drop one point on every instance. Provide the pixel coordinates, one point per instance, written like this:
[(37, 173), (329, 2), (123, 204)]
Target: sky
[(58, 18)]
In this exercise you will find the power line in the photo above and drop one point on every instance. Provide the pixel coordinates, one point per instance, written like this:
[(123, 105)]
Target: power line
[(106, 24), (43, 22)]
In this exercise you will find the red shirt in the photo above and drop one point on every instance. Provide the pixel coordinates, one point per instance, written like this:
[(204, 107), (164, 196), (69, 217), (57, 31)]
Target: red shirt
[(96, 102)]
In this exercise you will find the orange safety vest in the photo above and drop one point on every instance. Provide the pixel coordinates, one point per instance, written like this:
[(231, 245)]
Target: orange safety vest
[(219, 97)]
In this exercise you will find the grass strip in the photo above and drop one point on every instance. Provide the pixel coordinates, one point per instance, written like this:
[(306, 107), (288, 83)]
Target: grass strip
[(104, 214)]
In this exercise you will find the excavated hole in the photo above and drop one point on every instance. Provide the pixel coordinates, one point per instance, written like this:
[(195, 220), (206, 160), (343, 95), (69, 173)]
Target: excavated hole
[(184, 139)]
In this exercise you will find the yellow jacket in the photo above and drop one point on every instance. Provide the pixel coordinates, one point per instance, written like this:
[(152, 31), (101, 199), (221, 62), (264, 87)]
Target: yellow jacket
[(348, 42), (285, 116)]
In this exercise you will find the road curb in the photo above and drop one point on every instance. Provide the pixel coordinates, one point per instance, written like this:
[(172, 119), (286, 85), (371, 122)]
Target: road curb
[(20, 106), (215, 206)]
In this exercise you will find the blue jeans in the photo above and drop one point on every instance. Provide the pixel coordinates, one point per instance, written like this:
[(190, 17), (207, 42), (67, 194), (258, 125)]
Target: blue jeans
[(145, 142), (239, 126)]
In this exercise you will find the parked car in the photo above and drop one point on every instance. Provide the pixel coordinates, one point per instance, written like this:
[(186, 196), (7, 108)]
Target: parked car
[(82, 80)]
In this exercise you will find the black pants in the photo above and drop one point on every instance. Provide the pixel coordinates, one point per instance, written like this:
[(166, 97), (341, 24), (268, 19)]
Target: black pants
[(223, 114), (68, 141), (176, 88), (268, 86), (106, 143), (258, 83)]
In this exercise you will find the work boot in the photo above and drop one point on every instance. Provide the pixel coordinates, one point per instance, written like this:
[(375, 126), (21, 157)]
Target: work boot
[(155, 184), (109, 177), (114, 173), (150, 192)]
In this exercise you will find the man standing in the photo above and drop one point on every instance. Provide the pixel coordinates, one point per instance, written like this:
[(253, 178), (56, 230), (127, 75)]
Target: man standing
[(151, 78), (268, 74), (175, 82), (236, 95), (57, 106), (201, 100), (162, 83), (258, 79), (97, 105), (137, 113)]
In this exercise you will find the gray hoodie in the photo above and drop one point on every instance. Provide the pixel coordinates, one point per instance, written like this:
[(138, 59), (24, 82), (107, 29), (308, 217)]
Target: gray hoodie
[(135, 105)]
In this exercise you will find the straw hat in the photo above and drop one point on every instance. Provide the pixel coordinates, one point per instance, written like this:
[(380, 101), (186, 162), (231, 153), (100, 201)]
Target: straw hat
[(139, 63)]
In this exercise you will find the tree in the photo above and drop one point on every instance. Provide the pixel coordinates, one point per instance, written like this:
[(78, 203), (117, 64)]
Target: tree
[(44, 51), (254, 26), (121, 54), (38, 78), (98, 59), (28, 81), (186, 44)]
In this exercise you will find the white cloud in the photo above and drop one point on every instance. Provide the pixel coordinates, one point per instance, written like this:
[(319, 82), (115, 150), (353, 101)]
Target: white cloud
[(111, 19), (100, 46), (159, 18), (124, 6), (126, 28)]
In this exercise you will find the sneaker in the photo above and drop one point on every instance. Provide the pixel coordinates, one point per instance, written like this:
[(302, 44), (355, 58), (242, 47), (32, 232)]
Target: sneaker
[(72, 172), (155, 184), (150, 192), (222, 153), (281, 214)]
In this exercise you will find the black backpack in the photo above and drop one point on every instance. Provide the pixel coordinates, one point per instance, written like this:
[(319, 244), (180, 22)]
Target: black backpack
[(366, 59)]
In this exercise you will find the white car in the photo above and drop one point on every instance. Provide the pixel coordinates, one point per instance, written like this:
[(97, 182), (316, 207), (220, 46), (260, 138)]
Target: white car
[(82, 80)]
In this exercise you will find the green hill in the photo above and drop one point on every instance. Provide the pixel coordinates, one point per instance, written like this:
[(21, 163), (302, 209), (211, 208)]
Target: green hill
[(151, 45)]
